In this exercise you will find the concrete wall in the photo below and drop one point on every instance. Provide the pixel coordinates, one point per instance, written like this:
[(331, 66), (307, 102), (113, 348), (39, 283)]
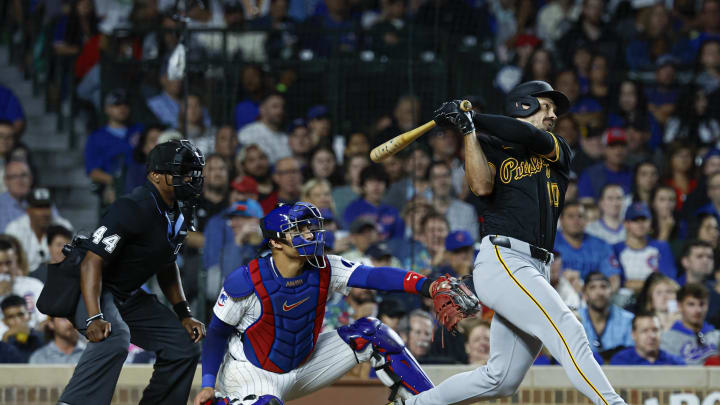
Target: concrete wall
[(41, 385)]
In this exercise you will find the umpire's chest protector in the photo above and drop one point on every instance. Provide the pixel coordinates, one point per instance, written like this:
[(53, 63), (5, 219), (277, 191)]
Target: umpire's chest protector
[(292, 315)]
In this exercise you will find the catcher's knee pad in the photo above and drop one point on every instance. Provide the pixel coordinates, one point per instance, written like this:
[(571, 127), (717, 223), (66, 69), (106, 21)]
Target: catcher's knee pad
[(393, 363)]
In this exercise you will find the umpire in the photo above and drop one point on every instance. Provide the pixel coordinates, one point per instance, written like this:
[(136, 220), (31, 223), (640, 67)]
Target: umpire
[(139, 237)]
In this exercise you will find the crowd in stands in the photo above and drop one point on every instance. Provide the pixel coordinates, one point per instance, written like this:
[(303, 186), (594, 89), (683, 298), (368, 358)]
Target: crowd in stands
[(637, 254)]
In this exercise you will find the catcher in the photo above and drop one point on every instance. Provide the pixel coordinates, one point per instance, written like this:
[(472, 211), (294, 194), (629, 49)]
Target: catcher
[(271, 312)]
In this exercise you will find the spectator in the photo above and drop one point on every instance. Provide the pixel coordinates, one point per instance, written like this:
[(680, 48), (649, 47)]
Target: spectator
[(477, 344), (568, 129), (390, 312), (709, 19), (708, 66), (713, 316), (13, 202), (226, 145), (11, 110), (358, 143), (590, 151), (17, 320), (418, 327), (656, 38), (394, 167), (540, 66), (107, 148), (610, 226), (631, 107), (323, 165), (697, 262), (338, 20), (7, 143), (74, 30), (459, 255), (217, 231), (343, 310), (194, 126), (389, 35), (374, 182), (10, 283), (166, 105), (319, 126), (639, 256), (409, 248), (638, 142), (266, 131), (288, 177), (713, 193), (611, 170), (248, 109), (459, 214), (318, 193), (31, 229), (300, 142), (591, 31), (456, 18), (581, 252), (646, 352), (363, 233), (444, 145), (253, 161), (568, 284), (64, 344), (680, 170), (659, 296), (608, 327), (415, 184), (699, 197), (554, 19), (406, 116), (691, 338), (434, 229), (598, 86), (214, 197), (665, 226), (135, 172), (663, 96), (693, 125), (645, 178), (243, 218), (352, 189), (706, 229), (22, 268), (57, 237), (9, 354)]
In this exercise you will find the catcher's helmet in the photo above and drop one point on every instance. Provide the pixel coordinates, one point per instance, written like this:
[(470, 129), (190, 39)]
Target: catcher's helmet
[(181, 159), (297, 220), (526, 94)]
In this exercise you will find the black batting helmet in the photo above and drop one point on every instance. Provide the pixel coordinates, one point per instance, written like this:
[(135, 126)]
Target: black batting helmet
[(526, 94)]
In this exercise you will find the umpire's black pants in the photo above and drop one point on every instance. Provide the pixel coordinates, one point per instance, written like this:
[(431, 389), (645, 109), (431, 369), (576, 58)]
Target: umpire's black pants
[(147, 323)]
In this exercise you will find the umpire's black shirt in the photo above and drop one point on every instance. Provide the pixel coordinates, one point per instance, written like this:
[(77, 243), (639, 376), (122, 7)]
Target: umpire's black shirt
[(528, 192), (138, 236)]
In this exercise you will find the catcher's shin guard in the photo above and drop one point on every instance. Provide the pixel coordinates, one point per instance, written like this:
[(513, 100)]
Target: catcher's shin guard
[(393, 363), (248, 400)]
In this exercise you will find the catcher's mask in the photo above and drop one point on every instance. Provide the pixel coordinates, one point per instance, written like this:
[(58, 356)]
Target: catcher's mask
[(303, 222), (184, 162), (522, 100)]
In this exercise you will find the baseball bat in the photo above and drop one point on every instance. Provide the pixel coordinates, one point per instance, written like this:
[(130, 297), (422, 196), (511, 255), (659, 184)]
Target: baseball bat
[(399, 142)]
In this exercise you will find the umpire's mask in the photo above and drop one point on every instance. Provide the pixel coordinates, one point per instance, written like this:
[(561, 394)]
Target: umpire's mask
[(184, 162)]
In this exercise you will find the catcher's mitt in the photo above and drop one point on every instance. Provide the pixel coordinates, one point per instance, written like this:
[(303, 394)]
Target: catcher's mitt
[(453, 301)]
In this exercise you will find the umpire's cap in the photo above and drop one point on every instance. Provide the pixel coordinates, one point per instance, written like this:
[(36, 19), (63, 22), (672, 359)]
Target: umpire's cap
[(526, 94)]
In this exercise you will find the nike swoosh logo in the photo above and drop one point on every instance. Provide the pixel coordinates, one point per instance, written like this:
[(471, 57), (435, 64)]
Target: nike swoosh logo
[(287, 307)]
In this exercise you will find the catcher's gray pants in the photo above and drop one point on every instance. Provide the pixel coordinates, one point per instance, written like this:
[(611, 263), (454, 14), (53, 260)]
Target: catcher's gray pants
[(528, 314)]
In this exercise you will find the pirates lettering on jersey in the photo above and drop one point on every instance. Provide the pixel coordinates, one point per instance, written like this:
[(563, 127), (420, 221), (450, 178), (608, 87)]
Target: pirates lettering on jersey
[(512, 169), (285, 334)]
